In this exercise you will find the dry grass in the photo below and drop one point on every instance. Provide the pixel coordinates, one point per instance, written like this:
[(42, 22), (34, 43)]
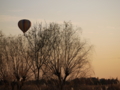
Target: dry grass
[(67, 87)]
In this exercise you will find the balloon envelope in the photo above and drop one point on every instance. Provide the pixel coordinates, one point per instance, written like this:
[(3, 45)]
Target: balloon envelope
[(24, 25)]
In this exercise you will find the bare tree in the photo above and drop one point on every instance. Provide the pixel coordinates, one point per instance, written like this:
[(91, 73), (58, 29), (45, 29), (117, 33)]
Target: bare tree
[(53, 52), (15, 62), (39, 50), (20, 60), (68, 53), (5, 74)]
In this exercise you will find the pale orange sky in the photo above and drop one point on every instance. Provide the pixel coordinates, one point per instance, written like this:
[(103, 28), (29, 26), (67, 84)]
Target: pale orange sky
[(99, 20)]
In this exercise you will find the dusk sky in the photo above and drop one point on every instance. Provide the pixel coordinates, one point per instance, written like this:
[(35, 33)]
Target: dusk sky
[(99, 20)]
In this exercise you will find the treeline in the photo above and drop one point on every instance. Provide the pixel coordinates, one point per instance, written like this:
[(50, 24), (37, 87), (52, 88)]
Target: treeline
[(79, 81), (51, 52)]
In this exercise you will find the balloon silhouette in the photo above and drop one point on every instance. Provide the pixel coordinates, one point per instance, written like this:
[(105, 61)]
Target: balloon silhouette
[(24, 25)]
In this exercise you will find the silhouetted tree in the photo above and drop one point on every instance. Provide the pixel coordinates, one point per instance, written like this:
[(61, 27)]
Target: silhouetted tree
[(14, 60), (52, 52), (20, 60), (68, 54), (39, 50)]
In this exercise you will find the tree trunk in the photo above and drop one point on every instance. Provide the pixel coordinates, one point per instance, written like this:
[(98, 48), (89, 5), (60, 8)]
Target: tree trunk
[(38, 74)]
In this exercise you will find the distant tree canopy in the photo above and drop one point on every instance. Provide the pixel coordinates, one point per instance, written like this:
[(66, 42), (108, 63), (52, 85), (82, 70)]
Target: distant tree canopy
[(50, 52)]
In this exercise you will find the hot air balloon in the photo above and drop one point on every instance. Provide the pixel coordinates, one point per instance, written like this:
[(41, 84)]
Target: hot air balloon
[(24, 25)]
